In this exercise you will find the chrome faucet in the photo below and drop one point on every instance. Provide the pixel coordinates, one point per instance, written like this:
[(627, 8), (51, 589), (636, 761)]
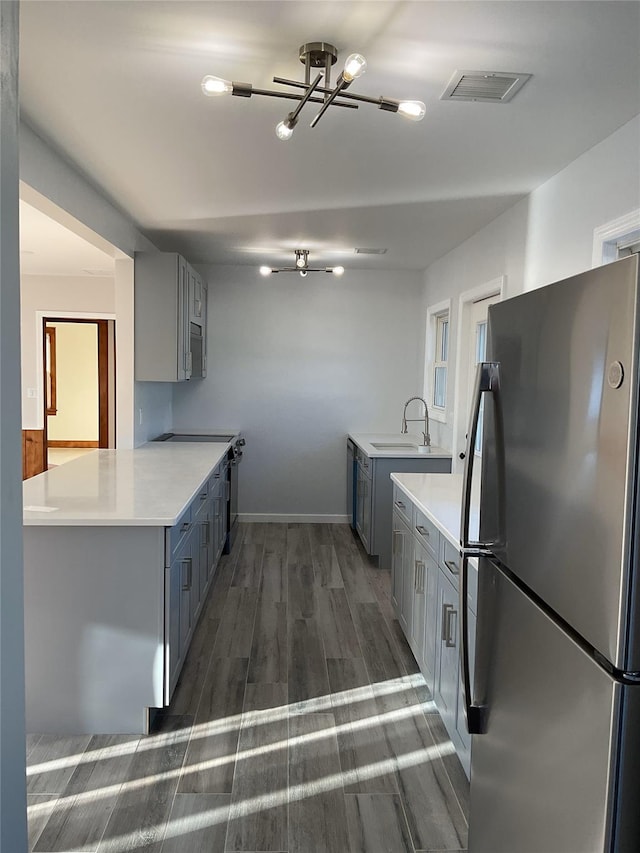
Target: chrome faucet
[(425, 432)]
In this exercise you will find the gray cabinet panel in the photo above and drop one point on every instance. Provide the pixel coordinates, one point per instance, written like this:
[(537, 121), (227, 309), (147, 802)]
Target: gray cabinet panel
[(162, 350), (375, 498), (446, 676), (424, 587)]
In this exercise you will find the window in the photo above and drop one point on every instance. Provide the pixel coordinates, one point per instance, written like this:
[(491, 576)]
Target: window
[(440, 362), (437, 357), (616, 239)]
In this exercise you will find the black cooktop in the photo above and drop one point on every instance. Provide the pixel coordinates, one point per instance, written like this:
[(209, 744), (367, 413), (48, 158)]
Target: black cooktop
[(181, 436)]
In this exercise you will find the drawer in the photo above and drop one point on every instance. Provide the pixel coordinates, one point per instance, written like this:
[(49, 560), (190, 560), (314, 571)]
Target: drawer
[(200, 500), (176, 534), (449, 558), (427, 532), (402, 505), (450, 563)]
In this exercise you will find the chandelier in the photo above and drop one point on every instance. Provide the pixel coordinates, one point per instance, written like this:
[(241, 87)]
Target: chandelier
[(302, 266), (317, 54)]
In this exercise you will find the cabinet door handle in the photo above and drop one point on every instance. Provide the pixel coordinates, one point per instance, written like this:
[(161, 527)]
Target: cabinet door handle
[(207, 539), (186, 585), (400, 505), (422, 530), (448, 610), (397, 534), (203, 496), (453, 567), (419, 577), (185, 526)]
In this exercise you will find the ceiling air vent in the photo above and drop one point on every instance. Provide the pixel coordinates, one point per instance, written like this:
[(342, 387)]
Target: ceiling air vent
[(495, 87), (370, 251)]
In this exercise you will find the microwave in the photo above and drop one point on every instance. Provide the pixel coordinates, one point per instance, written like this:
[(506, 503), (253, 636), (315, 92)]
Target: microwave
[(198, 357)]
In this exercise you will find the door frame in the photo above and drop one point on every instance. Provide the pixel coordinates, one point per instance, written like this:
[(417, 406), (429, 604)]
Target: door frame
[(106, 370), (495, 287)]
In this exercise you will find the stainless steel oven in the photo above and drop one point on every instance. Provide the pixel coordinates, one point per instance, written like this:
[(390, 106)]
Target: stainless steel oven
[(234, 456)]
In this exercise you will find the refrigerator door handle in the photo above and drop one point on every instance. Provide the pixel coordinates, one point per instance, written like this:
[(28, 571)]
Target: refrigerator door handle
[(475, 715), (487, 382)]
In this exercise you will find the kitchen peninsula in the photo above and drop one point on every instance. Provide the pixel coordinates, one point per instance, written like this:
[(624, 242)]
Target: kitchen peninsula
[(120, 548)]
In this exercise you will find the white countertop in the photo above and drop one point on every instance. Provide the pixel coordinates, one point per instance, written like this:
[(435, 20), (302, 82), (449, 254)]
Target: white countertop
[(365, 442), (439, 497), (148, 486)]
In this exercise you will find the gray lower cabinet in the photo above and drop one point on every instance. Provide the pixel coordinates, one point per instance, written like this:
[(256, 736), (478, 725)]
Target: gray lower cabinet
[(179, 601), (445, 690), (193, 547), (423, 637), (173, 640), (402, 573), (424, 592), (374, 496), (364, 498)]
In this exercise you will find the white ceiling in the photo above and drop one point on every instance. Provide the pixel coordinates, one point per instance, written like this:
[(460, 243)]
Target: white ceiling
[(115, 87), (49, 248)]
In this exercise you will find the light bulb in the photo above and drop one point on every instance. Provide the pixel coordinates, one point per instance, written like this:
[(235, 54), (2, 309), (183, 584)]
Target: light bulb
[(265, 270), (354, 67), (213, 86), (300, 261), (284, 130), (413, 110), (303, 273), (338, 271)]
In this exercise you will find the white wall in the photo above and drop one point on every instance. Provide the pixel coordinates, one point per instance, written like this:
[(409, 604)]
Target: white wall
[(601, 185), (297, 364), (545, 237), (88, 296), (153, 410), (76, 418)]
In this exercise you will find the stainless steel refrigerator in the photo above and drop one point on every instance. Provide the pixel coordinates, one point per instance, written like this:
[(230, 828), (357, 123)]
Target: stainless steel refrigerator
[(555, 704)]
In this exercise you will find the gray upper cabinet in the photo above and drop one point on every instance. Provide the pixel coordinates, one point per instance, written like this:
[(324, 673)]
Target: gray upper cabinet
[(169, 296)]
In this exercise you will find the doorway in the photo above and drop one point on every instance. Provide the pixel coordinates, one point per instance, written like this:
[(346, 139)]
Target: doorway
[(472, 330), (78, 378)]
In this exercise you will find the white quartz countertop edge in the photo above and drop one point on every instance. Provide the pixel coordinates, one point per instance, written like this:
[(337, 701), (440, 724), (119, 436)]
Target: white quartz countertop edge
[(149, 486), (439, 497), (365, 442)]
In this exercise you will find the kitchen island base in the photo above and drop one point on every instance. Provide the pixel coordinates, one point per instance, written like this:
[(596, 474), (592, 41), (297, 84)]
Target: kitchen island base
[(94, 628), (120, 551)]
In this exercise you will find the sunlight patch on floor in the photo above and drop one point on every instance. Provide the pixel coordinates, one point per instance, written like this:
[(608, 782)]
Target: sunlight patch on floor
[(260, 751), (326, 703)]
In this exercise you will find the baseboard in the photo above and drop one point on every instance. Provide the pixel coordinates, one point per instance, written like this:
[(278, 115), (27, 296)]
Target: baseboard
[(286, 518), (72, 443)]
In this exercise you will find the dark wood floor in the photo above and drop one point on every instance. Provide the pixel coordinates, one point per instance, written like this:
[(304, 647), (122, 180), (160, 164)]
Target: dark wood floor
[(300, 724)]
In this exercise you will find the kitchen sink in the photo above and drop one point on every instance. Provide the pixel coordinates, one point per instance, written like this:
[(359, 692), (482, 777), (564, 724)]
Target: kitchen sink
[(398, 446)]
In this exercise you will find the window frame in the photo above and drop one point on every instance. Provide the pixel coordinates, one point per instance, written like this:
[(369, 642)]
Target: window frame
[(436, 313)]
